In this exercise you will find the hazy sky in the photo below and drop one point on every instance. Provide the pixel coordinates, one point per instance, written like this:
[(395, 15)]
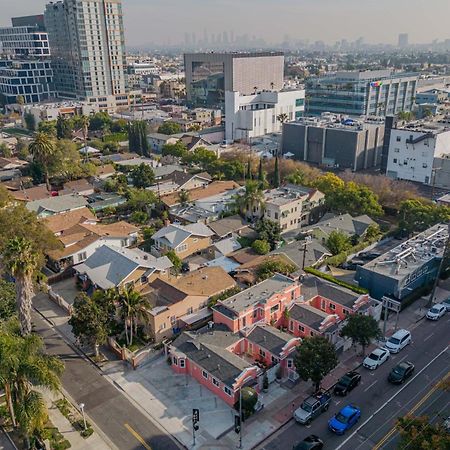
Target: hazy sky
[(156, 21)]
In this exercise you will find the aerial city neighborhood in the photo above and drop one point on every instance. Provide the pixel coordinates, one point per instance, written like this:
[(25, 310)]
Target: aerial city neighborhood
[(221, 243)]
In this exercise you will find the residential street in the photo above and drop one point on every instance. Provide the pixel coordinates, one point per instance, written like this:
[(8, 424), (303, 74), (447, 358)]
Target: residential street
[(380, 401), (123, 424)]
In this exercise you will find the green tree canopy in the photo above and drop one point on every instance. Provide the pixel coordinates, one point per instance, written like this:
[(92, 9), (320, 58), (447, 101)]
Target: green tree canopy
[(269, 231), (47, 127), (418, 215), (7, 300), (179, 150), (338, 242), (30, 121), (249, 400), (140, 199), (315, 358), (261, 247), (272, 266), (64, 127), (99, 121), (169, 128), (175, 260), (251, 201), (361, 330), (142, 176)]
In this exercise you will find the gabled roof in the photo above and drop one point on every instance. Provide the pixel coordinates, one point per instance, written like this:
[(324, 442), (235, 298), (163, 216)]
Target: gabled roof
[(209, 351), (227, 225), (269, 338), (32, 194), (346, 223), (177, 234), (181, 178), (227, 246), (313, 286), (57, 205), (306, 314), (315, 251), (64, 221), (108, 266)]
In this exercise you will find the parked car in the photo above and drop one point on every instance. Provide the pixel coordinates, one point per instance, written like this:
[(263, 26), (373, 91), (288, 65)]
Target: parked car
[(312, 442), (312, 407), (349, 381), (446, 302), (399, 340), (376, 358), (344, 419), (401, 372), (436, 311)]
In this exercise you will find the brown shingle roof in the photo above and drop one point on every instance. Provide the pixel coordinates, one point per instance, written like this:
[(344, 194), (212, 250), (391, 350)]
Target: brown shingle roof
[(61, 222), (31, 194), (215, 188)]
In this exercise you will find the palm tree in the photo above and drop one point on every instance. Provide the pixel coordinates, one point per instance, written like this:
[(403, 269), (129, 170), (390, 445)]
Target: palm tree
[(43, 150), (84, 122), (134, 308), (28, 367), (251, 200), (21, 260), (183, 197), (283, 117)]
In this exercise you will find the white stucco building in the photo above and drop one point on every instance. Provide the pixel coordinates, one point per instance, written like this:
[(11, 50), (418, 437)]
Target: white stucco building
[(417, 149), (250, 116)]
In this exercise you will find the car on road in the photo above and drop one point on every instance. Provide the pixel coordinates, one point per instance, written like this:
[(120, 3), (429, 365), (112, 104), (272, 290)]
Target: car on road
[(312, 442), (436, 311), (401, 372), (312, 407), (376, 358), (344, 419), (446, 302), (345, 384), (399, 340)]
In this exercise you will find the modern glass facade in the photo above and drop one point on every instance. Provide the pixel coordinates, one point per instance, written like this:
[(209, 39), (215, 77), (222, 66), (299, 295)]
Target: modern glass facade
[(376, 93), (208, 83)]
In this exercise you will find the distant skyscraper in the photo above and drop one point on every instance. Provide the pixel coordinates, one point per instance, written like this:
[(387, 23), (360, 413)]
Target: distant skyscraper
[(26, 70), (88, 47), (403, 40)]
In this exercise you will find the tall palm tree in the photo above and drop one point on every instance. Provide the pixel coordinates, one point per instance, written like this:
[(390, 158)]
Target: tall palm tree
[(43, 150), (84, 122), (251, 200), (28, 367), (21, 260), (134, 308)]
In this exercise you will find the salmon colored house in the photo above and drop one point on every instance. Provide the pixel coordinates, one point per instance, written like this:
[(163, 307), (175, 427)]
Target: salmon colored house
[(209, 357), (335, 300), (266, 302)]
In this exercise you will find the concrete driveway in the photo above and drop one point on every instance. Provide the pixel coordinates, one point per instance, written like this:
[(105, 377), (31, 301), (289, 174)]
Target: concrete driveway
[(169, 399)]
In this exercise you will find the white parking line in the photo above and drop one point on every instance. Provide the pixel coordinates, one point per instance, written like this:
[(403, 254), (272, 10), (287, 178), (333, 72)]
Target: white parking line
[(428, 337), (403, 358), (368, 387)]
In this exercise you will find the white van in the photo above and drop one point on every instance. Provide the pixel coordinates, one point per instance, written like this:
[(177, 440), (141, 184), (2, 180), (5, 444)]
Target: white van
[(398, 340)]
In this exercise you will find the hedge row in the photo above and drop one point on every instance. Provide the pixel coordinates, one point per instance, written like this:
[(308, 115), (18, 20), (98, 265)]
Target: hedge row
[(328, 277)]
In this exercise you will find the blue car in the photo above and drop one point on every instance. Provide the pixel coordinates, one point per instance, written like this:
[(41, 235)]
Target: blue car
[(344, 419)]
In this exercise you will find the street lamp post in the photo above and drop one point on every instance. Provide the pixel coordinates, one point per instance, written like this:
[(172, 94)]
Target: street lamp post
[(84, 417)]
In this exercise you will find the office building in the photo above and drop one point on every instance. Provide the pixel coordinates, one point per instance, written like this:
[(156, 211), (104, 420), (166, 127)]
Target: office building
[(210, 75), (335, 142), (403, 40), (88, 47), (25, 68), (373, 92), (254, 115), (420, 151), (407, 267)]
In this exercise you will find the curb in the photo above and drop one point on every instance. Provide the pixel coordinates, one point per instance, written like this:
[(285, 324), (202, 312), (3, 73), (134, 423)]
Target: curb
[(8, 437)]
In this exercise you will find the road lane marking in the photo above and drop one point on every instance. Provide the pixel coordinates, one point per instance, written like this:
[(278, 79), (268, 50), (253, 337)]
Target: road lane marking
[(411, 412), (390, 399), (368, 387), (403, 358), (428, 337), (137, 436)]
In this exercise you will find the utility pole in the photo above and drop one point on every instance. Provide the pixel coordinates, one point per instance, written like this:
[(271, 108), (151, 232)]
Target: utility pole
[(441, 265), (195, 420)]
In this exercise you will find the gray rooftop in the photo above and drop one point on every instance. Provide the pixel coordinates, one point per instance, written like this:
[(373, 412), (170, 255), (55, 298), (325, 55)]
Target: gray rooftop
[(346, 223), (314, 252), (57, 204), (259, 293), (269, 338), (175, 235), (208, 350), (108, 266), (313, 286), (307, 315), (227, 225), (412, 254)]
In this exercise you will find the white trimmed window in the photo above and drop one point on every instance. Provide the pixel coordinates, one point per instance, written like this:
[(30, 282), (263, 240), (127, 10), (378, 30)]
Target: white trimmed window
[(290, 363), (332, 306), (182, 363), (216, 382), (301, 328), (227, 391), (262, 353), (205, 374)]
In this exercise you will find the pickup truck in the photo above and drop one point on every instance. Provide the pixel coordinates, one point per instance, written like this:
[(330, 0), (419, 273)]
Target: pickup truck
[(312, 407)]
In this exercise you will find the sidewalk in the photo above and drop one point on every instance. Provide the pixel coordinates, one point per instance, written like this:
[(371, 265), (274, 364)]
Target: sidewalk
[(77, 442), (258, 427)]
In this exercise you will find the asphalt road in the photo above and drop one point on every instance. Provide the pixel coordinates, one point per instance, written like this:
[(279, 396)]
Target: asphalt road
[(381, 402), (125, 426)]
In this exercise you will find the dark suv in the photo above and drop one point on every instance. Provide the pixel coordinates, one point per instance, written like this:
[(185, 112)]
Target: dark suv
[(349, 381)]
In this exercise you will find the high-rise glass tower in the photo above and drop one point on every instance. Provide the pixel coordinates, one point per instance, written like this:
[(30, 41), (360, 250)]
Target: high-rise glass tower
[(88, 47)]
